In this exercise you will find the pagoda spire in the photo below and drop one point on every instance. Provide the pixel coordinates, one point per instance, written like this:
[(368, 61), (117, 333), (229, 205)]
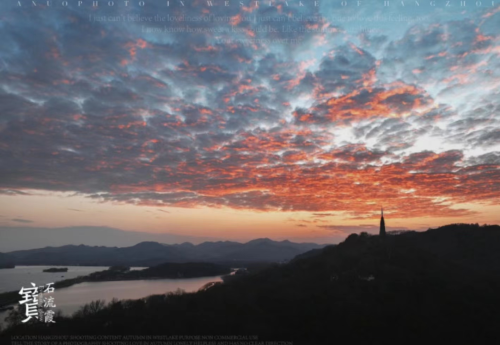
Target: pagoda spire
[(382, 223)]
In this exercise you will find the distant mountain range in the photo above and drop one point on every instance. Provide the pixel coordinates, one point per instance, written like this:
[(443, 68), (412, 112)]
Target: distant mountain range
[(403, 288), (25, 237), (154, 253)]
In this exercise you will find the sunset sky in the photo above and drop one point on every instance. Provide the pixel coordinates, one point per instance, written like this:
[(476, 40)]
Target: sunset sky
[(225, 133)]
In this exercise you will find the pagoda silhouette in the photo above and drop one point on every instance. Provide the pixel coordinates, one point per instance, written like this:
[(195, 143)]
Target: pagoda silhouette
[(382, 223)]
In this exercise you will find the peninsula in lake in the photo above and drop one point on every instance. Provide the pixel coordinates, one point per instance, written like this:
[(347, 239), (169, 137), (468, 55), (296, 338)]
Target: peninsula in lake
[(55, 270), (411, 286), (6, 261)]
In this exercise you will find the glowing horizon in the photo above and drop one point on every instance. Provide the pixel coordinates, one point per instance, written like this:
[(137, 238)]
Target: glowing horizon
[(103, 123)]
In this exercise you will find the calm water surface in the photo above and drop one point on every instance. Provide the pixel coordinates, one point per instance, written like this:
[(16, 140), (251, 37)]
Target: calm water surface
[(69, 299), (14, 278)]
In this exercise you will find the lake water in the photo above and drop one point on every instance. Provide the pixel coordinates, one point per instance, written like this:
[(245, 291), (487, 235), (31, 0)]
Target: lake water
[(69, 299), (12, 279)]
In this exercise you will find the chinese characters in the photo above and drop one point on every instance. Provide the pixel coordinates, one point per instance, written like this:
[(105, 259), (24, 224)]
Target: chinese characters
[(35, 307)]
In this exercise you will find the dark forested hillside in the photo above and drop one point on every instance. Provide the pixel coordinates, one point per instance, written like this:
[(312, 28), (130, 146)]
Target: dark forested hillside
[(440, 286), (466, 244), (6, 261)]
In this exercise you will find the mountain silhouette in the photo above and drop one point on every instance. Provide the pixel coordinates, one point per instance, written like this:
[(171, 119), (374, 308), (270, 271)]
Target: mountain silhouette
[(154, 253), (438, 286)]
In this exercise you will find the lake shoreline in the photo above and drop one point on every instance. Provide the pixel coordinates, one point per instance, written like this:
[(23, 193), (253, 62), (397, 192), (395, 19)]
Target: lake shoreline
[(120, 273)]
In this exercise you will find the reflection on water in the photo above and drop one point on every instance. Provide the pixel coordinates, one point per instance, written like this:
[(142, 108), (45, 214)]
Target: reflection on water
[(69, 299)]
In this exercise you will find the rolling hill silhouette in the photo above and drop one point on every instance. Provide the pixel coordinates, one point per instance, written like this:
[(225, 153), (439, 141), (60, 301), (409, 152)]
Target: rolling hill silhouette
[(154, 253), (439, 286)]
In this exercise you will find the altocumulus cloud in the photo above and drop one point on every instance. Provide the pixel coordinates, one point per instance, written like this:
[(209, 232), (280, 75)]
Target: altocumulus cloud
[(337, 123)]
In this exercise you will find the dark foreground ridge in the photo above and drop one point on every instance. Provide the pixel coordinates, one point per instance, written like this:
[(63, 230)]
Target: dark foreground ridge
[(439, 286)]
